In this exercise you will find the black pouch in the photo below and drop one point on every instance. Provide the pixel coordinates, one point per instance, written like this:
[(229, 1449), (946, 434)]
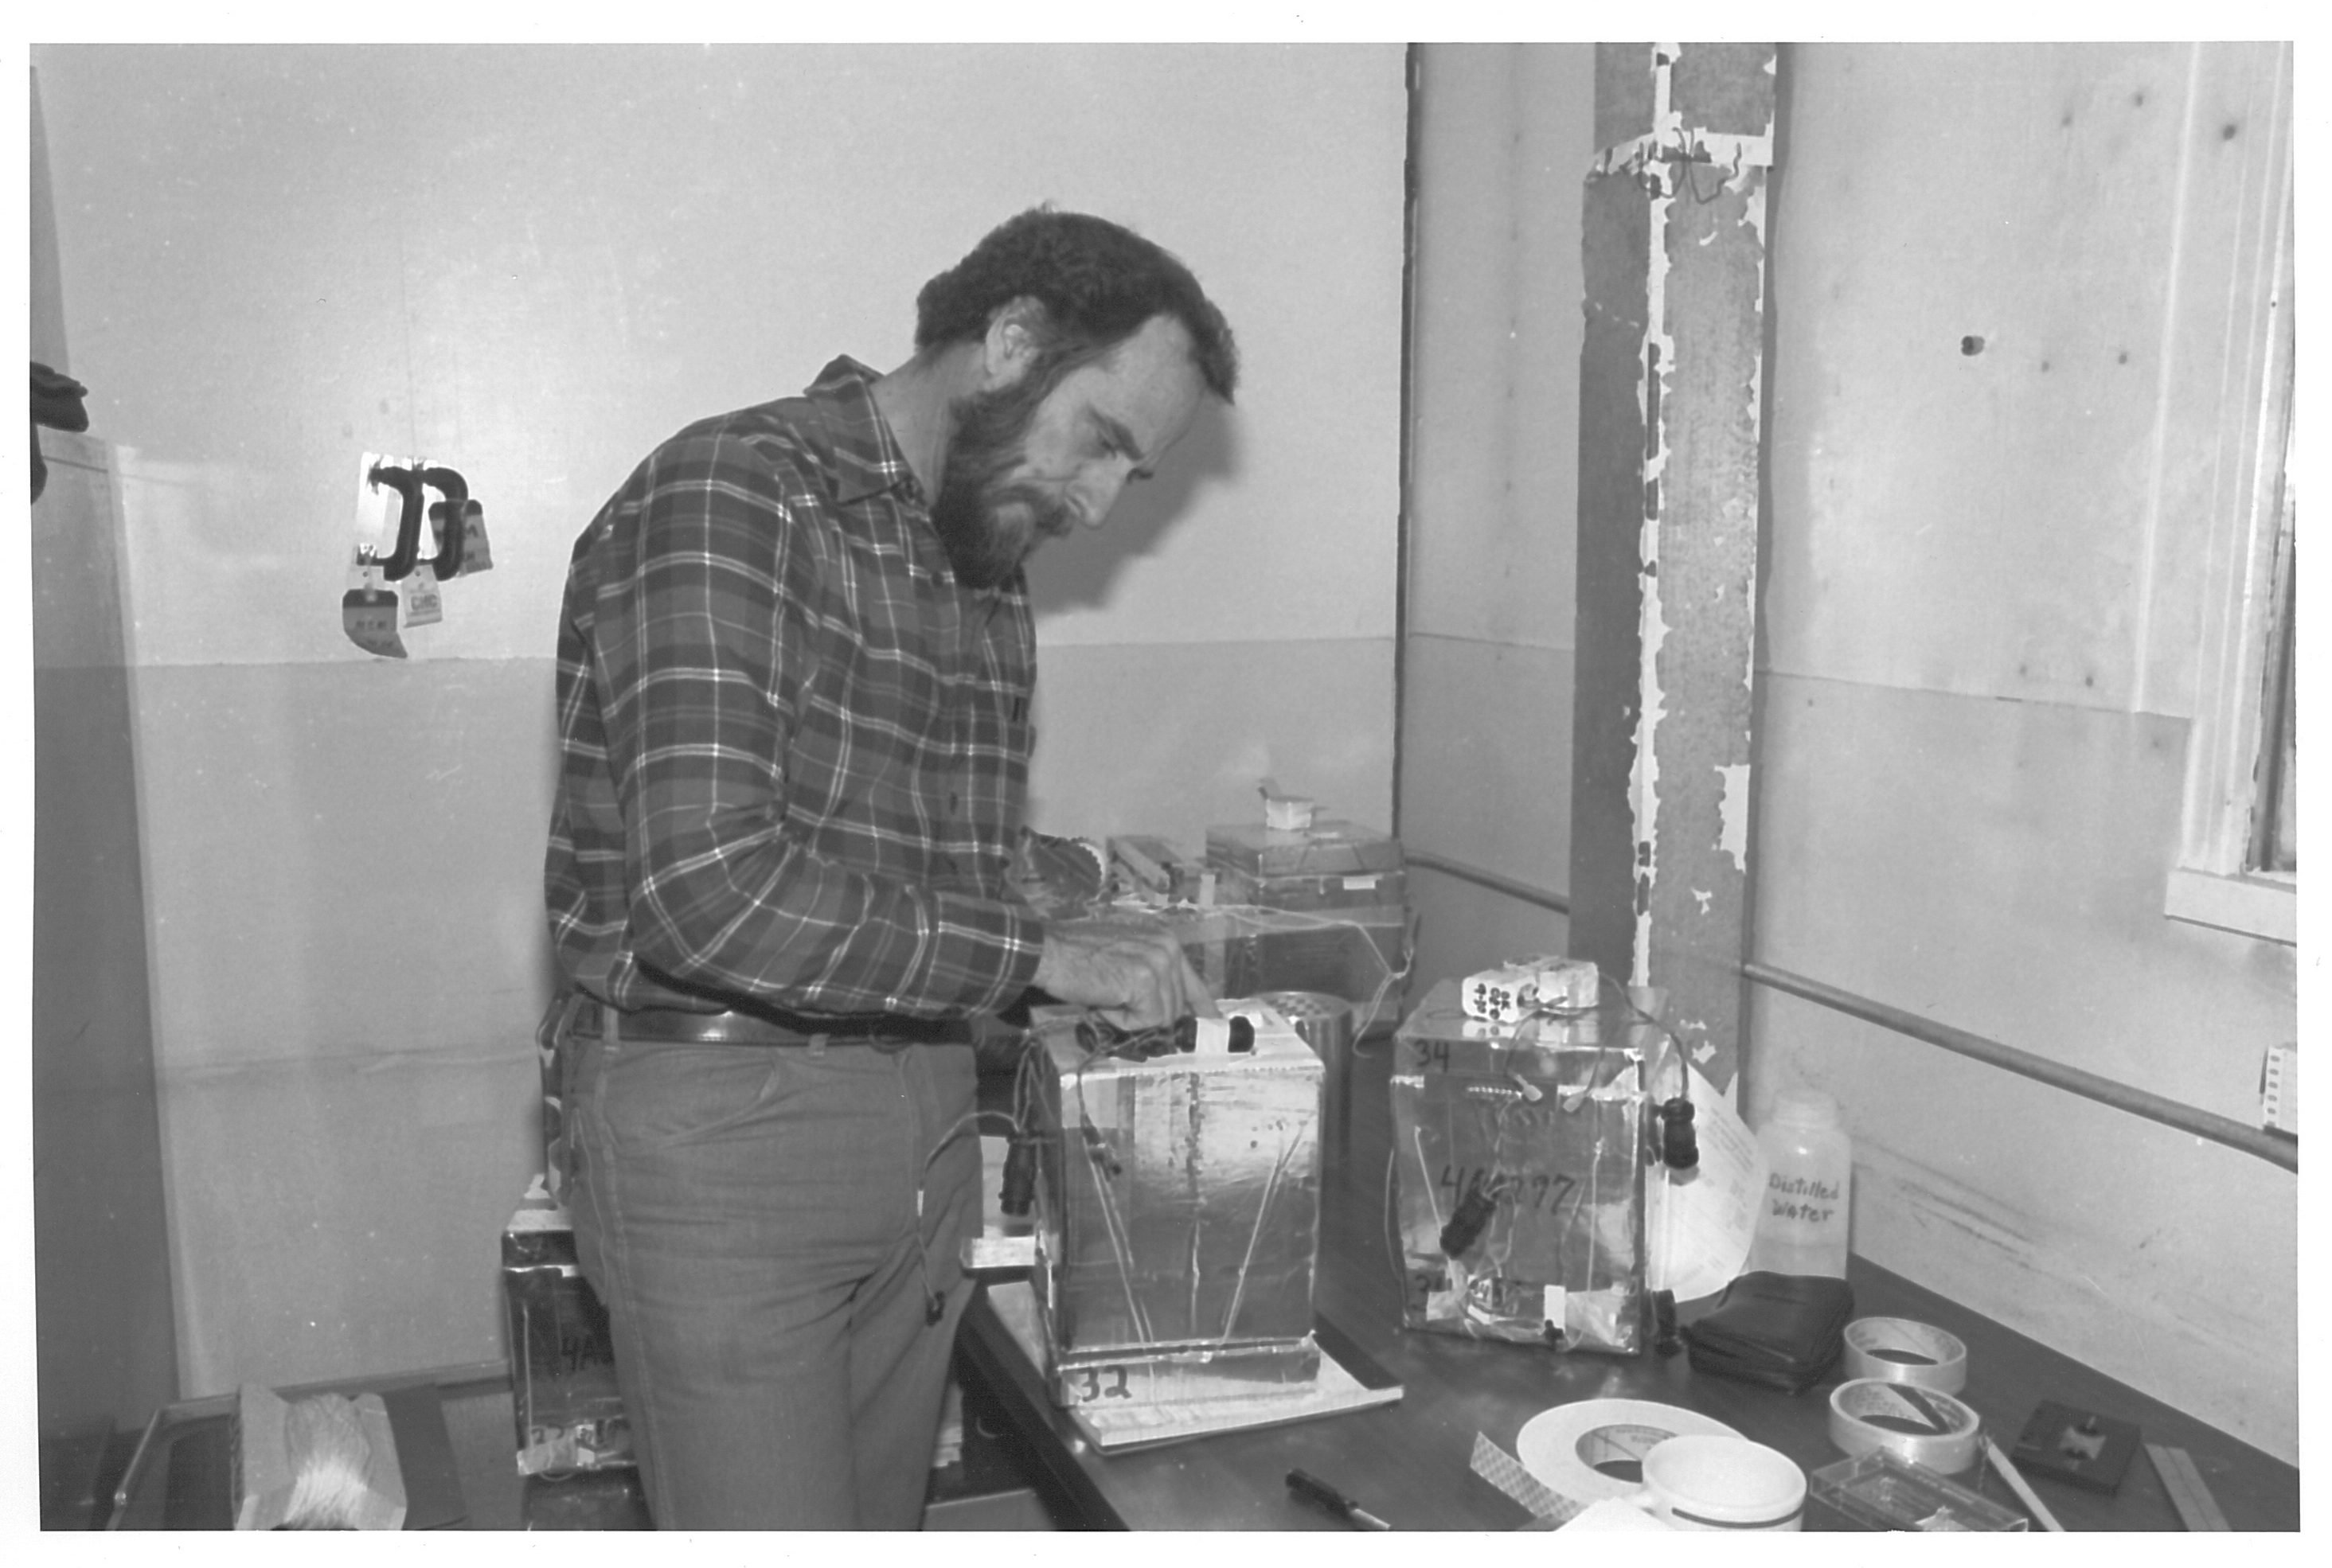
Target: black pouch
[(1782, 1330)]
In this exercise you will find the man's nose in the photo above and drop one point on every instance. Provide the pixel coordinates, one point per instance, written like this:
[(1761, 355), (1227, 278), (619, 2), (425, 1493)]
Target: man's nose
[(1099, 493)]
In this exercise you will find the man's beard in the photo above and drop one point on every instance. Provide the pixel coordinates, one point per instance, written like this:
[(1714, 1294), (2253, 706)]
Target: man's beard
[(987, 522)]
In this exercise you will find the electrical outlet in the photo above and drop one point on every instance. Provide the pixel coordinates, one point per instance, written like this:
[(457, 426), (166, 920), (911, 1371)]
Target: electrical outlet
[(2279, 1089)]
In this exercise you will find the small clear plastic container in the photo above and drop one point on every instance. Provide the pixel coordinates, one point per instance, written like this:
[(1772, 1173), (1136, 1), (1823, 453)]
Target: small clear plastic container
[(1882, 1490)]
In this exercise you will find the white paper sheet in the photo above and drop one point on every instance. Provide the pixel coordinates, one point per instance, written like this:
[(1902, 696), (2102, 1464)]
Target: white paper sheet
[(1698, 1224)]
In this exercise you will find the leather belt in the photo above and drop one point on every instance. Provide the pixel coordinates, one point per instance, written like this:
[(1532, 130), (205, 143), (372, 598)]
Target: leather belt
[(679, 1026)]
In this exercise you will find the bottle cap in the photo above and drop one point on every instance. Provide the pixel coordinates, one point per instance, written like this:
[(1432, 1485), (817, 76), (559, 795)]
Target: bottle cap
[(1805, 1108)]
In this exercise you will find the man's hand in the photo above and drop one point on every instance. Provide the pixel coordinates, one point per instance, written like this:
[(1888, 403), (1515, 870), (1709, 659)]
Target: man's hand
[(1127, 967)]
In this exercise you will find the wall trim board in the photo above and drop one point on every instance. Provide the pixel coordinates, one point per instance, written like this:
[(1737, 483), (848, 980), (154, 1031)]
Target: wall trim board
[(2226, 391), (2089, 1085), (1521, 891), (2265, 905)]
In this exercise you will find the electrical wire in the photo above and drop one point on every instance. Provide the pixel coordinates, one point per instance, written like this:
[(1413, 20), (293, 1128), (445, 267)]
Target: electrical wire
[(1262, 1211), (1121, 1240)]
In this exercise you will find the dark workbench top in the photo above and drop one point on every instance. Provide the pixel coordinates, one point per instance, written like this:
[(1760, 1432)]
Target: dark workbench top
[(1410, 1462)]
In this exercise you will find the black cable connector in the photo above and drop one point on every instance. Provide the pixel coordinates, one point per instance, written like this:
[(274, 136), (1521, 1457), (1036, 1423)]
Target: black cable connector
[(1019, 1192), (1679, 1145), (1466, 1222)]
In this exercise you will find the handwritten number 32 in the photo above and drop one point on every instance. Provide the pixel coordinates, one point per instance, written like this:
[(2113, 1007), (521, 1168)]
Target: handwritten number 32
[(1092, 1380)]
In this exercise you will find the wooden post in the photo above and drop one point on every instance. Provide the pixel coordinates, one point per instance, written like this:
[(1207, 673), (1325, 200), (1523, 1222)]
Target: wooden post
[(1668, 466)]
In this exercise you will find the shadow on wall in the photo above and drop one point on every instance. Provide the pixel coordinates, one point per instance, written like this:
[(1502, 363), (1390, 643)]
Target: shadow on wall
[(1075, 573)]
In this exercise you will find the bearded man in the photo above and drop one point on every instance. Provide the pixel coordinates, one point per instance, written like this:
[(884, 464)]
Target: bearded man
[(794, 662)]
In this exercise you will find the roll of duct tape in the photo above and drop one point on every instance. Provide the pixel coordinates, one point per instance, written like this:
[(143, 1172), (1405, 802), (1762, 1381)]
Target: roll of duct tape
[(1899, 1350), (1923, 1425)]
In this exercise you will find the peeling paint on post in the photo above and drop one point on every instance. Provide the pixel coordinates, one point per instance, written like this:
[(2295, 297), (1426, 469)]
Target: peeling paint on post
[(1670, 376)]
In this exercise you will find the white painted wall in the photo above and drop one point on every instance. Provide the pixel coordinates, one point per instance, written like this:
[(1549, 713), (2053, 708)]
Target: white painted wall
[(1983, 612), (1505, 134), (533, 263)]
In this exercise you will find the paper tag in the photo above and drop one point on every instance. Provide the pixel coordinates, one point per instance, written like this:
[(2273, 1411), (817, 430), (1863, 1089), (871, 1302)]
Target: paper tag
[(477, 556), (1698, 1224), (423, 604), (1558, 1301), (368, 615), (1367, 884)]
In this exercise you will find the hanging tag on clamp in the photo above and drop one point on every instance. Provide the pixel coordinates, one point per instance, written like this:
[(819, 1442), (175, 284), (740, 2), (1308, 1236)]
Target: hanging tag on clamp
[(425, 605), (368, 611)]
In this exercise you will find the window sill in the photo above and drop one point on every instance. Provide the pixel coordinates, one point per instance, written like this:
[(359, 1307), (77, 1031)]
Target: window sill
[(2262, 907)]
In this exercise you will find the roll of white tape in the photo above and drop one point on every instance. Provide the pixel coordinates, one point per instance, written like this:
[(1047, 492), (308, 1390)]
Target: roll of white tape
[(1595, 1449), (1923, 1425), (1899, 1350)]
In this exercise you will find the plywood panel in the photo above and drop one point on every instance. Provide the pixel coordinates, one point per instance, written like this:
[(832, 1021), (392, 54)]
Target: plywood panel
[(1998, 866), (1491, 786), (2158, 1259), (1502, 145), (1976, 406), (1505, 138)]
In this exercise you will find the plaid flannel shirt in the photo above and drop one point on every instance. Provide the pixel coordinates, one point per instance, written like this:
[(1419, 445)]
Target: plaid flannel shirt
[(794, 748)]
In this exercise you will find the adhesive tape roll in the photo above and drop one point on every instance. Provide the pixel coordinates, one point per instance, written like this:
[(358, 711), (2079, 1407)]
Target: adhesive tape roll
[(1595, 1448), (1898, 1350), (1923, 1425)]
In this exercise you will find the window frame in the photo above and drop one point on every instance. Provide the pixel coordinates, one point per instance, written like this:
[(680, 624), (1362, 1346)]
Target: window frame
[(2215, 881)]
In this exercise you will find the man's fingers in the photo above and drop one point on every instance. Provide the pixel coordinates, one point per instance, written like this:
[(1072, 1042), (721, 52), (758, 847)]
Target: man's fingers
[(1131, 971)]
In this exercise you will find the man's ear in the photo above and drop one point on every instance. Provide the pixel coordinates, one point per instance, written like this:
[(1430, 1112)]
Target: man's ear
[(1010, 346)]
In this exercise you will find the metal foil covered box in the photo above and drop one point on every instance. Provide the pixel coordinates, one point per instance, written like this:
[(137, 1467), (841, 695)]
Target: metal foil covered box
[(1177, 1214), (1520, 1155)]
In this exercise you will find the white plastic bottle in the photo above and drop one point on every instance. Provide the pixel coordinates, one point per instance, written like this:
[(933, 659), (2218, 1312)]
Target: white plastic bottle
[(1809, 1186)]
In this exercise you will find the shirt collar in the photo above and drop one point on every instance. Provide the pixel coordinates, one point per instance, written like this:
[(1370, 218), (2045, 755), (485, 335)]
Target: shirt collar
[(866, 457), (866, 461)]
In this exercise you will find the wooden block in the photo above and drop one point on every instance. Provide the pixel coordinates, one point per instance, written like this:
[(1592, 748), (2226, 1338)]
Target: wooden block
[(2183, 1482)]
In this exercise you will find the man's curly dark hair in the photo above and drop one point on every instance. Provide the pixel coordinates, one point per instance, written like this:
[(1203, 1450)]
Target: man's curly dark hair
[(1097, 281)]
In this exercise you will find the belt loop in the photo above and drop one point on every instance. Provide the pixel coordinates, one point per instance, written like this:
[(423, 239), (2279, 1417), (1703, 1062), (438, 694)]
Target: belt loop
[(607, 1036), (817, 1047)]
